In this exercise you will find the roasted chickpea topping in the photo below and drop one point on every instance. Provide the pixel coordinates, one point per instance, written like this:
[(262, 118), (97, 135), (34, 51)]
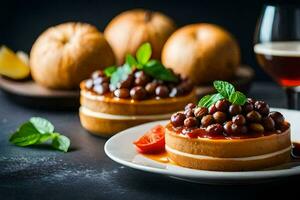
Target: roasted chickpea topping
[(177, 119), (200, 112), (226, 119), (140, 86), (190, 122)]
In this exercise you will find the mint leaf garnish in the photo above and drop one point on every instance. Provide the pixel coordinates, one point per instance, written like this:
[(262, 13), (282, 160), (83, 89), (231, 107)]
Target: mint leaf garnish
[(224, 88), (37, 131), (61, 142), (45, 137), (131, 61), (209, 100), (42, 125), (26, 135), (238, 98), (121, 74), (142, 62), (110, 70), (143, 54), (225, 91), (155, 69)]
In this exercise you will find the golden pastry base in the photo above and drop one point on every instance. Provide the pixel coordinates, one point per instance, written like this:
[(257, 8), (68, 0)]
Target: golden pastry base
[(229, 155), (106, 115), (106, 125)]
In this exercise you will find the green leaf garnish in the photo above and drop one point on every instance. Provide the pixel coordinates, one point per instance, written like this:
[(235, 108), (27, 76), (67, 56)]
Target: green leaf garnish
[(26, 135), (225, 91), (143, 54), (45, 137), (37, 131), (42, 125), (224, 88), (61, 142), (110, 70), (119, 75), (142, 62), (238, 98), (131, 61), (155, 69), (209, 100)]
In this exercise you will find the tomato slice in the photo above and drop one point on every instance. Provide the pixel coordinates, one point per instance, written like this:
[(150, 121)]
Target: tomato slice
[(152, 142)]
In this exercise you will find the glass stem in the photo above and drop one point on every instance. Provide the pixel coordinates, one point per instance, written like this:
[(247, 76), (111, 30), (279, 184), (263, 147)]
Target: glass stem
[(292, 98)]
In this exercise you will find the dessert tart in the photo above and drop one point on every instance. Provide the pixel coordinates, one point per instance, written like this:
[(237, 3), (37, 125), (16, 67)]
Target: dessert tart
[(137, 92), (228, 132)]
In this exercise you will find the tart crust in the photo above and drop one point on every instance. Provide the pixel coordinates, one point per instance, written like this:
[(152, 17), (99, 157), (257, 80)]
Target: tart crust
[(135, 112), (228, 154), (113, 105), (106, 124)]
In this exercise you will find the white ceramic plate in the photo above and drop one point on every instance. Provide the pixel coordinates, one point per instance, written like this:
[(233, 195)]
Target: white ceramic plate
[(120, 149)]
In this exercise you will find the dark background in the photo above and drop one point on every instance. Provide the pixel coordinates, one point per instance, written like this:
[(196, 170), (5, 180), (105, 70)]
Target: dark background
[(21, 22), (85, 172)]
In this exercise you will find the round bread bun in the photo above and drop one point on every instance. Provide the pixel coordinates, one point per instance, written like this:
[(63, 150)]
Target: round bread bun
[(127, 31), (68, 53), (203, 52)]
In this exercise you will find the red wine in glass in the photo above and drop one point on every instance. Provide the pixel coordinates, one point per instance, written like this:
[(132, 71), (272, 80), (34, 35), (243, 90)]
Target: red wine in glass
[(281, 60), (277, 46)]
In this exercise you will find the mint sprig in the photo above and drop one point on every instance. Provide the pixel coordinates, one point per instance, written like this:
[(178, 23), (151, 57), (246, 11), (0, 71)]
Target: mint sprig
[(224, 88), (42, 125), (155, 69), (237, 98), (131, 61), (143, 54), (61, 142), (151, 67), (108, 71), (37, 131), (208, 100), (225, 91), (121, 74), (26, 135)]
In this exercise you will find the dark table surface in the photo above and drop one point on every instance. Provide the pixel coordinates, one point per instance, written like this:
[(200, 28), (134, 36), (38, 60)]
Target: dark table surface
[(87, 173)]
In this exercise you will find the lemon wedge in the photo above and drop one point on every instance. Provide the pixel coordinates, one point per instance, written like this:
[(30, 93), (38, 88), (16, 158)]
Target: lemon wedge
[(11, 65)]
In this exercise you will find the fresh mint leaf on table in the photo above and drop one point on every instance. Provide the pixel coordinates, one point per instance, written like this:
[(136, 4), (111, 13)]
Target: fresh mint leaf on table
[(225, 91), (142, 62), (42, 125), (25, 135), (61, 143), (37, 131)]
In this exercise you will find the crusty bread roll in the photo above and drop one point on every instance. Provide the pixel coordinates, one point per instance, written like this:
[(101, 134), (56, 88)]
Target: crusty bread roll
[(66, 54), (129, 30), (202, 52)]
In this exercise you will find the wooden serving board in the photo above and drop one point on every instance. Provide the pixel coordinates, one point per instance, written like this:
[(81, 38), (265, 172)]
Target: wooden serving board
[(29, 93)]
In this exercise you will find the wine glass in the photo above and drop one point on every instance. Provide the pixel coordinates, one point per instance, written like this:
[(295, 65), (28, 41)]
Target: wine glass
[(277, 46)]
